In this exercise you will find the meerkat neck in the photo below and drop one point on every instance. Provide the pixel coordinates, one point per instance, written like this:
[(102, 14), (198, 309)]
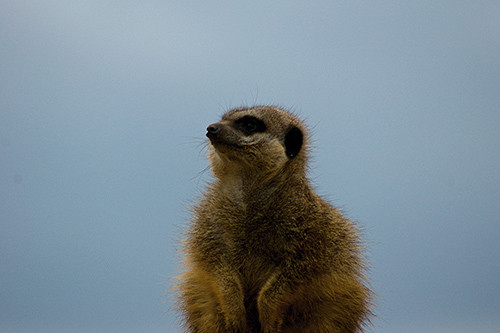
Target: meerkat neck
[(260, 189)]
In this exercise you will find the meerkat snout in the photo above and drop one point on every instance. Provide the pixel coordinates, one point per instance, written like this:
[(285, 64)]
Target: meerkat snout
[(212, 129)]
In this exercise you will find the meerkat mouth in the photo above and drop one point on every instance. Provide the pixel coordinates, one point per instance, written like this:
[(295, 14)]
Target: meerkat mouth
[(218, 141), (224, 146)]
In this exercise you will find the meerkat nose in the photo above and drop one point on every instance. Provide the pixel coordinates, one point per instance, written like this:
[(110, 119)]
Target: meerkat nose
[(213, 129)]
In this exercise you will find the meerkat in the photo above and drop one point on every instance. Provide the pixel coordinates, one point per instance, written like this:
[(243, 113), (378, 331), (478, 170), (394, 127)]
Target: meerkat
[(264, 252)]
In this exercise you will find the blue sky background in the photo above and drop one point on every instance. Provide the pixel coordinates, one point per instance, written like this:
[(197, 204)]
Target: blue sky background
[(103, 110)]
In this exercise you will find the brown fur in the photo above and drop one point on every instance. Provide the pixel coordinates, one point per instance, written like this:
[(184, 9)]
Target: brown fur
[(264, 252)]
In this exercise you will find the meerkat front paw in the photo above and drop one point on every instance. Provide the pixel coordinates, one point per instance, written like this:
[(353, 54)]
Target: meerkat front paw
[(236, 321), (270, 317)]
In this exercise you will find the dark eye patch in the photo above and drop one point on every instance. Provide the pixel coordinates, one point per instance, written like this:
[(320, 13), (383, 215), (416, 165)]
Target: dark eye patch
[(249, 125)]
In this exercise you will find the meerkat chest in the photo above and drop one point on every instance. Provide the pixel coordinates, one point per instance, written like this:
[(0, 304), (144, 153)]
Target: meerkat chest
[(255, 233)]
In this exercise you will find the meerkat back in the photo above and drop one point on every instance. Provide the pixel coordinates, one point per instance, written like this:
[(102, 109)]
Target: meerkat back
[(264, 253)]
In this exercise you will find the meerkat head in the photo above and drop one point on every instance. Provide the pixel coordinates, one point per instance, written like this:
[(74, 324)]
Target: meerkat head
[(257, 142)]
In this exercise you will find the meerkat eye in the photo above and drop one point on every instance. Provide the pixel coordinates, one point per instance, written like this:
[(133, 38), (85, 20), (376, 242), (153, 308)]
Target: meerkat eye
[(249, 125)]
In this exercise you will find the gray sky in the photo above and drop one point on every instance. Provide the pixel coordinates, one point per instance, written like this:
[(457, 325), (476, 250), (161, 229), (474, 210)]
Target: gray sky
[(103, 110)]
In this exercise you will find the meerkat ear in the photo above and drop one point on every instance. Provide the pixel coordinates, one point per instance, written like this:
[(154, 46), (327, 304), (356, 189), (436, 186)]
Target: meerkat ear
[(293, 142)]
